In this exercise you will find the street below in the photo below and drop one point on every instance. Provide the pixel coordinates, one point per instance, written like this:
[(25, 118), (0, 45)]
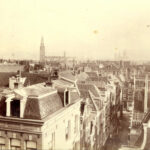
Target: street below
[(121, 138)]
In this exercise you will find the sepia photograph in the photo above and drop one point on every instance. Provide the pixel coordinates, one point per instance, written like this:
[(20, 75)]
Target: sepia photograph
[(74, 74)]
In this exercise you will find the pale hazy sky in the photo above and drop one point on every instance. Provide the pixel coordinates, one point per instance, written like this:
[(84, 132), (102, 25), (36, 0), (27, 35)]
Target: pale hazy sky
[(85, 28)]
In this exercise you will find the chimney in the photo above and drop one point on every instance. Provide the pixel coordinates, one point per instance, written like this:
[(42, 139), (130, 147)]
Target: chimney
[(49, 81), (146, 94)]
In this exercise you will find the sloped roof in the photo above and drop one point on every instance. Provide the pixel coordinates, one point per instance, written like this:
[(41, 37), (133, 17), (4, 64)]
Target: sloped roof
[(34, 78), (85, 94), (74, 95), (82, 76), (89, 87), (34, 90), (86, 90), (99, 84), (40, 108), (67, 75), (31, 78), (62, 82), (92, 74)]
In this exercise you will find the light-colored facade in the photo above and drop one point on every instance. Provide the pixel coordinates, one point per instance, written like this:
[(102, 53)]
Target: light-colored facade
[(40, 117)]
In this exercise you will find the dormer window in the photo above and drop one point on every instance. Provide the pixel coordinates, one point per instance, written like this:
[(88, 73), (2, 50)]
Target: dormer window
[(15, 108), (15, 85), (66, 97)]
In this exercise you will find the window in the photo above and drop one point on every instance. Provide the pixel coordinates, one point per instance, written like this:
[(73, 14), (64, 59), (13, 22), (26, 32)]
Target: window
[(76, 124), (15, 85), (31, 145), (52, 142), (15, 108), (82, 108), (67, 97), (91, 127), (68, 130), (2, 143), (15, 144), (2, 146)]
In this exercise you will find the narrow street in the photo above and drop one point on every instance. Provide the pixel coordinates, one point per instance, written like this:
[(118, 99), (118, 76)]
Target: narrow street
[(122, 137)]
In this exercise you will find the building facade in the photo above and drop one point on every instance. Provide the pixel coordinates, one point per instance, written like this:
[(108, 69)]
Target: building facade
[(40, 117)]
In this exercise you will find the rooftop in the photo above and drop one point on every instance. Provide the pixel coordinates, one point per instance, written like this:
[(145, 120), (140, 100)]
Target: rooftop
[(67, 75), (35, 90), (89, 87)]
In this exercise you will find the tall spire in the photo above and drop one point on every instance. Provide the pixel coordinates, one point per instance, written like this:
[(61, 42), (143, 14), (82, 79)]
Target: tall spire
[(42, 41), (42, 50)]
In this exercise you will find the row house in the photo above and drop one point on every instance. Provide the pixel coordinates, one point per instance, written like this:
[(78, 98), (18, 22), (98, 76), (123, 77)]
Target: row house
[(143, 142), (93, 133), (128, 96), (141, 106), (111, 95)]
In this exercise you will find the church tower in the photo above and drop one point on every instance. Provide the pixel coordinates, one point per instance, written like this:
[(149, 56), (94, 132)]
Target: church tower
[(42, 51)]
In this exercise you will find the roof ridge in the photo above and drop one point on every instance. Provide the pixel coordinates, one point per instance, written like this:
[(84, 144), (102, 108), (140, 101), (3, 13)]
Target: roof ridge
[(92, 100)]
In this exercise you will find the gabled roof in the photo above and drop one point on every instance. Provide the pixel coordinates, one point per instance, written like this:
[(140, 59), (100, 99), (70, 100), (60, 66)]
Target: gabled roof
[(64, 83), (86, 95), (67, 75), (88, 91), (89, 87)]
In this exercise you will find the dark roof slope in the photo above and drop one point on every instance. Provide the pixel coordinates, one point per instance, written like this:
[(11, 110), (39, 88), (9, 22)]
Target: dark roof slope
[(89, 87), (85, 94), (31, 78), (74, 96), (4, 78), (40, 108), (67, 75)]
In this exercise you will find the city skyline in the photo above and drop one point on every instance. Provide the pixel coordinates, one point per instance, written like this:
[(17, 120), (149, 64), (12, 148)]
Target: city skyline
[(84, 29)]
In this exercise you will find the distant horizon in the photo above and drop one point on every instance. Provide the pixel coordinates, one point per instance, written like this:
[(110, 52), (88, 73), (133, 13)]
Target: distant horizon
[(86, 29)]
